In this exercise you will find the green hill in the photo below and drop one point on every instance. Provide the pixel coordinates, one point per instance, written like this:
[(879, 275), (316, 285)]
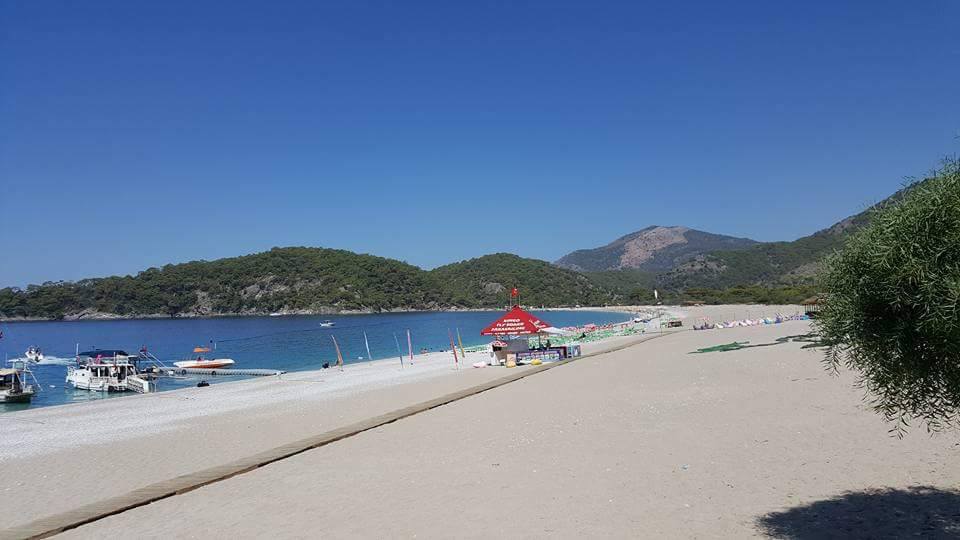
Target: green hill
[(292, 279), (316, 280), (300, 279), (486, 281)]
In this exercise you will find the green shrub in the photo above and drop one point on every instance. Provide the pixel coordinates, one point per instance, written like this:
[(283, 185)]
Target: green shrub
[(892, 304)]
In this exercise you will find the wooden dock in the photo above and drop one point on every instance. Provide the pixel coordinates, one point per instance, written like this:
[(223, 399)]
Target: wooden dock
[(222, 371)]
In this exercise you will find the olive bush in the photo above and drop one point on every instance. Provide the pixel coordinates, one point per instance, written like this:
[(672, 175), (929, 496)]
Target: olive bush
[(891, 308)]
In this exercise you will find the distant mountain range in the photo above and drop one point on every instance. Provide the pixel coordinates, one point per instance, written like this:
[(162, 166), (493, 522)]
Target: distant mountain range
[(654, 249), (679, 261), (678, 258)]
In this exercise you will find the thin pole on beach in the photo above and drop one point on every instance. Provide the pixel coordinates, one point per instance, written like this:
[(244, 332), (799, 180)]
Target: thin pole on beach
[(463, 353), (339, 355), (367, 343), (454, 349), (410, 346), (399, 352)]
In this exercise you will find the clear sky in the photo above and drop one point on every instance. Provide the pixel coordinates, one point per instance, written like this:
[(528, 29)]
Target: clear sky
[(134, 134)]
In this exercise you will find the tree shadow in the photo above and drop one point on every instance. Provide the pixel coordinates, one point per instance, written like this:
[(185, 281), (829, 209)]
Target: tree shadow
[(917, 512)]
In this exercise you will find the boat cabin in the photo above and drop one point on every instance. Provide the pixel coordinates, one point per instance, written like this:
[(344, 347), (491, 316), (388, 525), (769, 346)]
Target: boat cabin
[(103, 370), (13, 383), (10, 380)]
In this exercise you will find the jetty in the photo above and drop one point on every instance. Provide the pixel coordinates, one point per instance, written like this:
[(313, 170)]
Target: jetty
[(223, 372)]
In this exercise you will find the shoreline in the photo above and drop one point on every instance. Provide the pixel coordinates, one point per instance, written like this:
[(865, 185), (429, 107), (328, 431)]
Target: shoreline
[(640, 410), (254, 415), (100, 317), (430, 363), (434, 361)]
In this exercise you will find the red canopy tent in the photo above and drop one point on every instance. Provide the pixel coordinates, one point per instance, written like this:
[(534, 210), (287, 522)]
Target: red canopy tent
[(515, 323)]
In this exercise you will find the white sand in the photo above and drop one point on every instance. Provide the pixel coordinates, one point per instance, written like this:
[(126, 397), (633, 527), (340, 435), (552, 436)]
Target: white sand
[(108, 421), (648, 441), (55, 458)]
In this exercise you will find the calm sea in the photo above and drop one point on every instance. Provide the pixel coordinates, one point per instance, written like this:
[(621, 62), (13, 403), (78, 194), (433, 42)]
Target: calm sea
[(287, 343)]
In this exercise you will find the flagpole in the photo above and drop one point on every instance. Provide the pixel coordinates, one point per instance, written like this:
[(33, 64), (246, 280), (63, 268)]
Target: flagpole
[(339, 354), (463, 353), (454, 349), (367, 343), (399, 351), (410, 346)]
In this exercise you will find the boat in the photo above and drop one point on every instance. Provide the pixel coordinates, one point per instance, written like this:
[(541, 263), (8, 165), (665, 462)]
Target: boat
[(14, 387), (34, 354), (327, 324), (203, 363), (107, 370)]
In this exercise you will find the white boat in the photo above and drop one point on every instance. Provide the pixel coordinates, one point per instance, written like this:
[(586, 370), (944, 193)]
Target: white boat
[(207, 363), (14, 387), (204, 363), (327, 324), (102, 371), (34, 354)]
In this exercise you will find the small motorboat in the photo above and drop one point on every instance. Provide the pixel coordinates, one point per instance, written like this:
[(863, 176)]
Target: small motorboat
[(13, 383), (327, 324), (203, 363), (34, 354)]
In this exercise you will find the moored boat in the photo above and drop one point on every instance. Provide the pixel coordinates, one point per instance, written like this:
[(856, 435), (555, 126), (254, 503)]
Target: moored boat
[(200, 362), (14, 387), (102, 370), (327, 324)]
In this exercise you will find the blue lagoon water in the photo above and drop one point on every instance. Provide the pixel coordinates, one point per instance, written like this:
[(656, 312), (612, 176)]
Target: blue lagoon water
[(289, 343)]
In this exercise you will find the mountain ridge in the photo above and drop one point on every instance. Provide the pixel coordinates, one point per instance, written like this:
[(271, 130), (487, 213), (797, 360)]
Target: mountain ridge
[(654, 248), (673, 259)]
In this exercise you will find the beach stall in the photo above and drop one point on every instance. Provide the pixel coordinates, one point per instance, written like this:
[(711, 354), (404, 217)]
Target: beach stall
[(513, 331), (811, 306)]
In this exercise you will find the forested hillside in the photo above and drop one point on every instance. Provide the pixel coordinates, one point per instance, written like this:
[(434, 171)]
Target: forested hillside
[(300, 279)]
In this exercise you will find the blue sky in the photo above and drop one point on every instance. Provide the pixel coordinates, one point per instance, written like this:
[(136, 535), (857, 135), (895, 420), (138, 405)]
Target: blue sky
[(134, 134)]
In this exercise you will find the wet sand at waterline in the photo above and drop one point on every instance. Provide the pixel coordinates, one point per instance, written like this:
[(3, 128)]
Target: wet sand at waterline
[(645, 441)]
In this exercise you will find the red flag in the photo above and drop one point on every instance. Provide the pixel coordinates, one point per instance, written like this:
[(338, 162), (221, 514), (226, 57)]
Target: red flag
[(515, 293)]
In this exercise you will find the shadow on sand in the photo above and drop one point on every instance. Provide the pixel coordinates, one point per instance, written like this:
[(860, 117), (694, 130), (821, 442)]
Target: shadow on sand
[(917, 512)]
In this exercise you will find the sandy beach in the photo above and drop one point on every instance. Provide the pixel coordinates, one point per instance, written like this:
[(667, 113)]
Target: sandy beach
[(137, 440), (647, 440)]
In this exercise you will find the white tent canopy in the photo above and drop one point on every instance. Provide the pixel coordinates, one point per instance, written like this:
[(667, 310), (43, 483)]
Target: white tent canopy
[(551, 330)]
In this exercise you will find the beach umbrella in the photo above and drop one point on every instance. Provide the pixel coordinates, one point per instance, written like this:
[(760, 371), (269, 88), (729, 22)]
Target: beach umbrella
[(515, 322)]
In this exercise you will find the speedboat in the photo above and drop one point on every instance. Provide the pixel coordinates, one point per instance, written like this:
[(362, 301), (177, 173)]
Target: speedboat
[(203, 363), (34, 354), (327, 324), (13, 383), (101, 370)]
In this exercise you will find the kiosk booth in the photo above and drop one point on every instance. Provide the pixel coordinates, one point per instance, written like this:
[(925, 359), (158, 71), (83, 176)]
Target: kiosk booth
[(512, 345)]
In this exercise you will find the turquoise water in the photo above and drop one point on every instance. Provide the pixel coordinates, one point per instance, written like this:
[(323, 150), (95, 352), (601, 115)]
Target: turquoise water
[(287, 343)]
